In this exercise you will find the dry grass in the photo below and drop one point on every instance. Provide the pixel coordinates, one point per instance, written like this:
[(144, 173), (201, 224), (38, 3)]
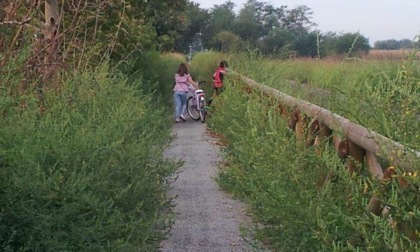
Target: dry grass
[(392, 54)]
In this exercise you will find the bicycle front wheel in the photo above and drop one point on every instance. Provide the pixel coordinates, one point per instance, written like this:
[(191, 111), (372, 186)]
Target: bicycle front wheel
[(202, 110), (192, 108)]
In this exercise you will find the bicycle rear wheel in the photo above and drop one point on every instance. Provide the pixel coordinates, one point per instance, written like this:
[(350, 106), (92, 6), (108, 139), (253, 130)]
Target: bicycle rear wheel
[(202, 110), (192, 108)]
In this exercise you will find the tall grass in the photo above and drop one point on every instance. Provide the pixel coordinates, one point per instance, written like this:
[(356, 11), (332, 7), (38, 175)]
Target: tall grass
[(285, 185), (383, 96), (203, 65), (88, 173), (84, 120)]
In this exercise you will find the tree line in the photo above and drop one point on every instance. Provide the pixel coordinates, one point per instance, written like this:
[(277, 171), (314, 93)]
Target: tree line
[(276, 31), (271, 31), (393, 44), (184, 26)]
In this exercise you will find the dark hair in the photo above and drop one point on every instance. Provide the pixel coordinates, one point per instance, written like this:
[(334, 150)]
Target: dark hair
[(223, 63), (182, 69)]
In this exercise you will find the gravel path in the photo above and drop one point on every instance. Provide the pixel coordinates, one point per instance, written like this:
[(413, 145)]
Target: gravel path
[(206, 219)]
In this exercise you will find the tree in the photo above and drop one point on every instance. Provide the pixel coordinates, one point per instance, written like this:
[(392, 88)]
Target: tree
[(298, 18), (280, 42), (197, 20), (277, 43), (347, 44), (392, 44), (222, 18), (227, 41), (261, 23), (306, 43), (272, 17), (249, 24)]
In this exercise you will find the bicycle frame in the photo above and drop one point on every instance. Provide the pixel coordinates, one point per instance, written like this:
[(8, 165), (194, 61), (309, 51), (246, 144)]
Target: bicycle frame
[(199, 95), (197, 104)]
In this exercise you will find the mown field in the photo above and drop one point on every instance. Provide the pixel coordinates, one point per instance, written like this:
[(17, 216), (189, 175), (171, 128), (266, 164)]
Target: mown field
[(284, 183)]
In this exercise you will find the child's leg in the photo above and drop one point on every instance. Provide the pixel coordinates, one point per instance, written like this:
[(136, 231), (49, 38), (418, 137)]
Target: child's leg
[(214, 92), (184, 108), (178, 104), (184, 103)]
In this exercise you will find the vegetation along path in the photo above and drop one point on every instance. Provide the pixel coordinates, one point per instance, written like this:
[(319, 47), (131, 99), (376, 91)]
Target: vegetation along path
[(206, 219)]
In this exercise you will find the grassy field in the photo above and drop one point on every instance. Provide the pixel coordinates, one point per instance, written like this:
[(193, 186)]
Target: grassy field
[(380, 95), (402, 54)]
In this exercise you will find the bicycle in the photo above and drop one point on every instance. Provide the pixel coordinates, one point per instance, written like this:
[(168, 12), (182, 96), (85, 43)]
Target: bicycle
[(196, 104)]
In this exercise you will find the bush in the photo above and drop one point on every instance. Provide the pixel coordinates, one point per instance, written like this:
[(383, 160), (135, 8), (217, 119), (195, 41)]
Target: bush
[(86, 174), (152, 73)]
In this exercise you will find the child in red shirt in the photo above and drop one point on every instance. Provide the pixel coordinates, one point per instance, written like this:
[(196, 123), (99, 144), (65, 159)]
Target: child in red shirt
[(218, 77)]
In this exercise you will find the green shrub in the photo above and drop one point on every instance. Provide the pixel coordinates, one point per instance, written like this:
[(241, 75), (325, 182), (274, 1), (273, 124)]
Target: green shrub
[(151, 73), (87, 174)]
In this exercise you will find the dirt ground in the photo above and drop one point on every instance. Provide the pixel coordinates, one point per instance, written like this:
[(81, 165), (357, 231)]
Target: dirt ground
[(206, 218)]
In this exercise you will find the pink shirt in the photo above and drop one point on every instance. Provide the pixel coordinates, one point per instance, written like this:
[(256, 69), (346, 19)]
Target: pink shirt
[(181, 83)]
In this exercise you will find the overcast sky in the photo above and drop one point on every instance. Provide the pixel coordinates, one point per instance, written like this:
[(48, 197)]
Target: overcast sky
[(374, 19)]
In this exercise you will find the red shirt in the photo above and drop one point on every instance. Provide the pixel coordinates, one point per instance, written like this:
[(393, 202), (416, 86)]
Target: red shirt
[(218, 77)]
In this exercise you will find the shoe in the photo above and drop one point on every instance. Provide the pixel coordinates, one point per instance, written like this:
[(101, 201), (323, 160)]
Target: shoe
[(182, 118), (177, 120)]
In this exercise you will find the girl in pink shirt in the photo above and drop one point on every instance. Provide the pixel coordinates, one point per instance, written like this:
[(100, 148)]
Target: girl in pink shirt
[(182, 81)]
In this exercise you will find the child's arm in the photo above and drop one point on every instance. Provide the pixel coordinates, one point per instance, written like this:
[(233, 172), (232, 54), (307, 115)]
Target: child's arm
[(192, 82)]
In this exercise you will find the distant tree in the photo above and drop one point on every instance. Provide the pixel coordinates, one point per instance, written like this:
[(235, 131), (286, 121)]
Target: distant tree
[(298, 18), (227, 41), (197, 44), (277, 43), (196, 22), (406, 43), (281, 41), (306, 43), (260, 25), (392, 44), (347, 44), (222, 18), (272, 17), (249, 24), (327, 43)]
